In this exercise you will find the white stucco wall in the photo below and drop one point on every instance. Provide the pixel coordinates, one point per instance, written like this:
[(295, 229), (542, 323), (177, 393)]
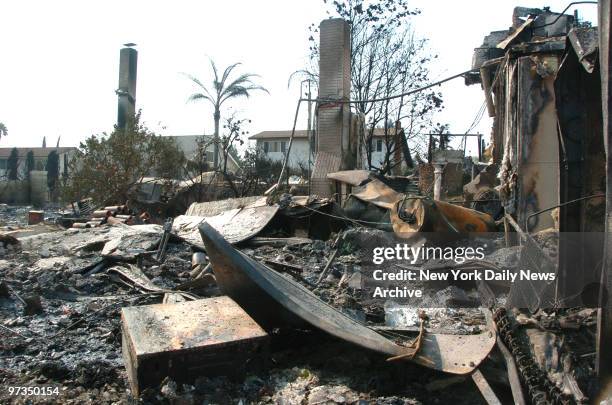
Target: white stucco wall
[(377, 157), (299, 151)]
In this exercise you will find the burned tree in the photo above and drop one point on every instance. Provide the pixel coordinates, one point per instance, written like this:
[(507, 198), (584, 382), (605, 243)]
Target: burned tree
[(232, 138), (387, 59), (258, 172)]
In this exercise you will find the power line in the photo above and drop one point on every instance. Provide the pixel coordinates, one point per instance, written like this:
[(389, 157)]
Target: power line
[(374, 100)]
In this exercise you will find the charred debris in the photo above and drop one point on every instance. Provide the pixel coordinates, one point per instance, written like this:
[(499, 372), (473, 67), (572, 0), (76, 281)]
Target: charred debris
[(266, 299)]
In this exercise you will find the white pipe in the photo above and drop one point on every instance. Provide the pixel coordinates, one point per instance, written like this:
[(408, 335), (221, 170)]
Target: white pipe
[(438, 169)]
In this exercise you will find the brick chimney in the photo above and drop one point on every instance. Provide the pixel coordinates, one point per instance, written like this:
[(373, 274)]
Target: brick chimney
[(333, 118), (126, 92)]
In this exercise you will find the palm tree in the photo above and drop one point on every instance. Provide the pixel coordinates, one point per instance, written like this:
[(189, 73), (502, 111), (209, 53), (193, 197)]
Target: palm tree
[(3, 130), (222, 90)]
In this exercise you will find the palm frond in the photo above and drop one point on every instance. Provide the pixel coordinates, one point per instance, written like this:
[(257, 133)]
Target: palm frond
[(243, 80), (199, 96), (228, 71), (201, 85), (241, 91), (214, 69)]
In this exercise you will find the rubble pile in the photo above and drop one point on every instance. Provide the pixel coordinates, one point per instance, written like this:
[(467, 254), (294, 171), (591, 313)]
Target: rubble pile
[(268, 300), (60, 314)]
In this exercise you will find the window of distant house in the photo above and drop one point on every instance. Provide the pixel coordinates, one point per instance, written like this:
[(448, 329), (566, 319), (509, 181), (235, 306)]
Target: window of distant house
[(266, 147), (379, 145), (274, 146), (3, 164), (283, 146)]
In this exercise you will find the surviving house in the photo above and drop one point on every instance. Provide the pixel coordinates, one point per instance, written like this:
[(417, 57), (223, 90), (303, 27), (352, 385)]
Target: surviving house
[(191, 146), (274, 144)]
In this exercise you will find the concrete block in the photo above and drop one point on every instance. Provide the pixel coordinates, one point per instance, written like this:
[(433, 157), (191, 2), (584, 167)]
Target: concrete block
[(212, 336)]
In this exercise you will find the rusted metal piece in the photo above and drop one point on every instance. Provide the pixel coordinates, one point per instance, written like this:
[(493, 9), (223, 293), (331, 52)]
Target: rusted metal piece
[(585, 42), (236, 225), (352, 177), (378, 193), (115, 221), (101, 214), (511, 39), (513, 374), (485, 389), (274, 300), (414, 347), (186, 340), (35, 217), (537, 385), (411, 216)]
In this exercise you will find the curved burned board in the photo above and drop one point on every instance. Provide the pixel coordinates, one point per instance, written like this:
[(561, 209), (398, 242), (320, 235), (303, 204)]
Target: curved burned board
[(273, 300)]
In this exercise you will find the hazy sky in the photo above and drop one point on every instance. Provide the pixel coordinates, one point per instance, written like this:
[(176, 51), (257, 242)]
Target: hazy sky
[(60, 59)]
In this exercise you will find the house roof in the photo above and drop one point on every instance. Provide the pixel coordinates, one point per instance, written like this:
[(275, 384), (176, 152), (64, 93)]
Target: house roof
[(302, 133), (38, 152)]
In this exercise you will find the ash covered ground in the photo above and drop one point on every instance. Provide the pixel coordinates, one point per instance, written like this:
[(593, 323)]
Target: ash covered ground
[(61, 326), (61, 291)]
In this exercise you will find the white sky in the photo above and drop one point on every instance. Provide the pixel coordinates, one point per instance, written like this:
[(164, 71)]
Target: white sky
[(59, 60)]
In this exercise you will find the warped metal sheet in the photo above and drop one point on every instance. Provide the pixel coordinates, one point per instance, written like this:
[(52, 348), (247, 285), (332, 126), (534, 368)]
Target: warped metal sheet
[(235, 225), (378, 193), (272, 299), (352, 177), (585, 42), (212, 208), (512, 37)]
